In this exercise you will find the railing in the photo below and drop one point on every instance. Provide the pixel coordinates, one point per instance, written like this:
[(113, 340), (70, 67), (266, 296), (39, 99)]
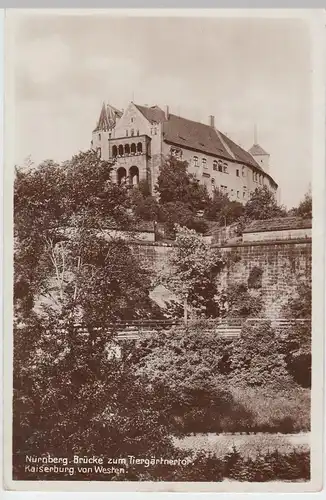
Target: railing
[(224, 327)]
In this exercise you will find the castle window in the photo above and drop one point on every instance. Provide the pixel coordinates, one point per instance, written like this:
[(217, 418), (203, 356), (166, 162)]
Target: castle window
[(99, 152), (215, 165), (132, 133), (225, 169), (237, 172), (220, 167), (133, 148), (244, 194), (137, 132), (204, 163), (238, 194), (99, 137), (110, 135), (243, 172), (213, 181), (132, 120), (139, 147), (127, 149), (127, 133), (114, 151), (155, 131), (120, 149), (196, 161)]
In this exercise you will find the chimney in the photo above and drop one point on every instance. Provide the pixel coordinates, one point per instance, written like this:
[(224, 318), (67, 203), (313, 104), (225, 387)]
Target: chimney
[(212, 121), (166, 112)]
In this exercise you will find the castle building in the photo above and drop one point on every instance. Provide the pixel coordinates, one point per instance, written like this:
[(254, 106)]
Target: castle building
[(138, 140)]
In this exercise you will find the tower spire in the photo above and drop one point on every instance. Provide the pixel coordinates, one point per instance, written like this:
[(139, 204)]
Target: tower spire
[(255, 134)]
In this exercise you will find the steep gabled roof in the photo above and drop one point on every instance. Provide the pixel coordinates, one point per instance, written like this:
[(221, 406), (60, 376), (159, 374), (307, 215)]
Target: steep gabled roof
[(154, 114), (256, 149), (108, 118), (193, 135), (239, 153)]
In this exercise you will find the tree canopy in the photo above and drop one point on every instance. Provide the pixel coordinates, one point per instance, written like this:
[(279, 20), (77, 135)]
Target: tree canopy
[(73, 281), (263, 205), (304, 209), (192, 272)]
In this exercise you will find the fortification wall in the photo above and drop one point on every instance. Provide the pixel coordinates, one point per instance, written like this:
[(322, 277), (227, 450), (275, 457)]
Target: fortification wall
[(281, 266)]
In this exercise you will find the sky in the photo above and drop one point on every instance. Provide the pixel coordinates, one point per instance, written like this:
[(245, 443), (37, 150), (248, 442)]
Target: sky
[(244, 71)]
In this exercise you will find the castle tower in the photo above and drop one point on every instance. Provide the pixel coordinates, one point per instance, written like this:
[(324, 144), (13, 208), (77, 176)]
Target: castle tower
[(109, 116), (259, 154)]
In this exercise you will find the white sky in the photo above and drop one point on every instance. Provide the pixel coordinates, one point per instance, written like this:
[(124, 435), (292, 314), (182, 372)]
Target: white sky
[(243, 71)]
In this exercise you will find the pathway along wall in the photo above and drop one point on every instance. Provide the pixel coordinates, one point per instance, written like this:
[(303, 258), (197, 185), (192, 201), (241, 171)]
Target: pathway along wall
[(274, 268)]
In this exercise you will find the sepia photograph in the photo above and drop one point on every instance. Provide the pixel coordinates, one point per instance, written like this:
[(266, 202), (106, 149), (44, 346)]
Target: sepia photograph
[(161, 174)]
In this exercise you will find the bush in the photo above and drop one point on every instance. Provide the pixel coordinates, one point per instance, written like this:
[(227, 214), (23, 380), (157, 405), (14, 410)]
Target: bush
[(275, 466)]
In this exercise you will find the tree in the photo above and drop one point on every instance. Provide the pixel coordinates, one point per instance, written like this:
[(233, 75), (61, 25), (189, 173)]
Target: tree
[(70, 399), (222, 210), (144, 205), (68, 396), (55, 205), (263, 205), (175, 184), (173, 213), (297, 338), (304, 209), (192, 273), (257, 358), (239, 302), (189, 363)]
